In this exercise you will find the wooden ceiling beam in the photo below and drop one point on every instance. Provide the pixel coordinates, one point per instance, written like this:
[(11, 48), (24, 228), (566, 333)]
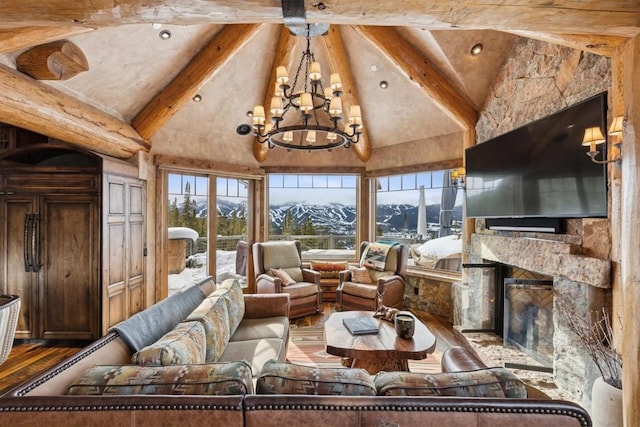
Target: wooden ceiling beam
[(283, 56), (599, 45), (419, 70), (58, 60), (20, 38), (32, 105), (186, 84), (336, 55), (607, 17)]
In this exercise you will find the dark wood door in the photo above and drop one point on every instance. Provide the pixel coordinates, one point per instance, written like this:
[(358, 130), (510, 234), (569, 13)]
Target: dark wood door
[(68, 280), (16, 275)]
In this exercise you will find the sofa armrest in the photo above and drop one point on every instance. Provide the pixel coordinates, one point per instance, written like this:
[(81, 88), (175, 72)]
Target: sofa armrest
[(257, 306), (311, 276), (266, 284), (345, 276), (456, 359)]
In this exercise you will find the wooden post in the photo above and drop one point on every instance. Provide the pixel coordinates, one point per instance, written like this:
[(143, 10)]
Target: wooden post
[(630, 235)]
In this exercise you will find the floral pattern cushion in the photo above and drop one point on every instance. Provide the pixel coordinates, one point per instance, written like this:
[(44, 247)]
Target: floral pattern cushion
[(184, 344), (231, 378), (214, 316), (288, 378), (329, 270), (490, 382)]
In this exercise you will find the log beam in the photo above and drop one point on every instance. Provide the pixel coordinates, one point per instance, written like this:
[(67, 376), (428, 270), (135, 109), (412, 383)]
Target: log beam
[(21, 38), (59, 60), (606, 17), (419, 70), (599, 45), (185, 85), (283, 56), (336, 55), (32, 105)]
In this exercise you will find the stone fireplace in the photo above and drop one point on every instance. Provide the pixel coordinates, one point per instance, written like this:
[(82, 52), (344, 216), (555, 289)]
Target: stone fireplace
[(582, 281)]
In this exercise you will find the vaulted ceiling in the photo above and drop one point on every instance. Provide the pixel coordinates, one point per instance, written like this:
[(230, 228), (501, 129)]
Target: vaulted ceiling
[(137, 93)]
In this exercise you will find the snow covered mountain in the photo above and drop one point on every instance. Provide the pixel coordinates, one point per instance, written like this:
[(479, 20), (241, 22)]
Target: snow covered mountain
[(341, 219)]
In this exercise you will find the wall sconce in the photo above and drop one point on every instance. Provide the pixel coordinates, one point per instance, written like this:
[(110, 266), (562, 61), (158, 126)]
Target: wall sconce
[(458, 177), (593, 137)]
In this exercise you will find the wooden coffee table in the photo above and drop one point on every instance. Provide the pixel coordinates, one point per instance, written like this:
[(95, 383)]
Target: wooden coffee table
[(384, 351)]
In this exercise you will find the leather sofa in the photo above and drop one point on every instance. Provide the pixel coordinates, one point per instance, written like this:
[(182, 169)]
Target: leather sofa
[(43, 399)]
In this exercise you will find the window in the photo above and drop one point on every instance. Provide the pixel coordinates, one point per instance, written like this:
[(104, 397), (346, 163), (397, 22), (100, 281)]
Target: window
[(424, 211), (318, 210), (188, 229), (189, 204)]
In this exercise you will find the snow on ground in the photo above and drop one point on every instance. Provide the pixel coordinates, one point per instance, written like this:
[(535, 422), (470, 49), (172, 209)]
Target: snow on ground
[(441, 247)]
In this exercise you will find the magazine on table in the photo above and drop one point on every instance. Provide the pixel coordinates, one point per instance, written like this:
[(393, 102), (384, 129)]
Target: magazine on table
[(361, 325)]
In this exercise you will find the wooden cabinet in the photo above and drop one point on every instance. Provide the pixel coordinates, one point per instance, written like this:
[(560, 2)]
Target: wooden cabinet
[(72, 240), (123, 248), (50, 258)]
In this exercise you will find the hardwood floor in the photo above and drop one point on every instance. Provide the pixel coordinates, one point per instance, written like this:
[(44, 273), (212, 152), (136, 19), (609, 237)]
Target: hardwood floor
[(28, 359)]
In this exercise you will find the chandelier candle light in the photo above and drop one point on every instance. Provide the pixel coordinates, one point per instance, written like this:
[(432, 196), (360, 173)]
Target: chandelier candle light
[(320, 110)]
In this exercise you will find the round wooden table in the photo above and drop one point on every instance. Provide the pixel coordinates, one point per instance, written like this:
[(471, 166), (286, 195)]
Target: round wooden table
[(384, 351)]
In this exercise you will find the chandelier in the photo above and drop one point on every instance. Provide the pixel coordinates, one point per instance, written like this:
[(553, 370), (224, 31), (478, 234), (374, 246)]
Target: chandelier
[(305, 114)]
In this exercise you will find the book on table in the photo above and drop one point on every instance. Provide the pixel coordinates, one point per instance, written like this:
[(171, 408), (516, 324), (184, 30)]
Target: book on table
[(361, 325)]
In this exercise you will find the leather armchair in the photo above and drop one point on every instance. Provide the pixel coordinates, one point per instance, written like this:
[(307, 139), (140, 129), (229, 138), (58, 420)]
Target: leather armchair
[(389, 283), (305, 295)]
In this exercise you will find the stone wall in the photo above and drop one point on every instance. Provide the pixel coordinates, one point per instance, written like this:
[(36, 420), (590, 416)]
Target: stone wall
[(429, 294), (536, 80)]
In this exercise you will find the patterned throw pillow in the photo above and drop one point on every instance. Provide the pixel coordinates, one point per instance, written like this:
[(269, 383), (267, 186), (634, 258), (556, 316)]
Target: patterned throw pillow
[(184, 344), (490, 382), (282, 275), (329, 270), (288, 378), (214, 316), (230, 378), (360, 275), (231, 291)]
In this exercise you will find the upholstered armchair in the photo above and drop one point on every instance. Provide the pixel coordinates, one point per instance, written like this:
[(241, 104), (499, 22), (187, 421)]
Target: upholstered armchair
[(360, 287), (278, 269)]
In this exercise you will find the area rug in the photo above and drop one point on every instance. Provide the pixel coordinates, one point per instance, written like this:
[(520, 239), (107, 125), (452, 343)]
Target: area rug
[(306, 347)]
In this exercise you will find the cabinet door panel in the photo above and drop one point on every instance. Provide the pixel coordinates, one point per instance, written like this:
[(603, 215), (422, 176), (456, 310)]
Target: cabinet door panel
[(15, 280), (69, 273)]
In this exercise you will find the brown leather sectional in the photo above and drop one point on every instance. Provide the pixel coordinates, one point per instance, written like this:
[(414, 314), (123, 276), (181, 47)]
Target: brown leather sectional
[(42, 401)]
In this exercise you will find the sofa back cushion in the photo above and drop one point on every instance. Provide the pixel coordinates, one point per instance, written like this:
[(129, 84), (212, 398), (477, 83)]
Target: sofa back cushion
[(490, 382), (231, 291), (184, 344), (231, 378), (288, 378), (214, 316)]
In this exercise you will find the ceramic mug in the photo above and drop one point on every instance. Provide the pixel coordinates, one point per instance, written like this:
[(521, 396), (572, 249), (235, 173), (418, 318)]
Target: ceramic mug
[(405, 324)]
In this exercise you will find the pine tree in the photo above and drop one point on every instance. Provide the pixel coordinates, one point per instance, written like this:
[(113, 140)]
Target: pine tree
[(288, 224), (174, 214)]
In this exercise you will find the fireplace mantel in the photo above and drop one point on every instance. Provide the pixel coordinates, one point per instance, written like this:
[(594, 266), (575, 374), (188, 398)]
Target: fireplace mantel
[(547, 257)]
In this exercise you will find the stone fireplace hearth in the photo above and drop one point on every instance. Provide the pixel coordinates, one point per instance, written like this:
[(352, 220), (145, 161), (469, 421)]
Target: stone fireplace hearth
[(582, 280)]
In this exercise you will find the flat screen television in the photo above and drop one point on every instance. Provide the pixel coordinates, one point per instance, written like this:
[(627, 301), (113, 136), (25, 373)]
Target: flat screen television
[(540, 170)]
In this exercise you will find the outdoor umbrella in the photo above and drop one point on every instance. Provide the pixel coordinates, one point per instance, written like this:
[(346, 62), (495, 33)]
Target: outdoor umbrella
[(447, 201)]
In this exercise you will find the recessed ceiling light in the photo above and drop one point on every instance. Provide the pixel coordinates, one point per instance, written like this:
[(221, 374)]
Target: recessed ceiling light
[(383, 84), (476, 49), (249, 113), (197, 97), (164, 34)]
